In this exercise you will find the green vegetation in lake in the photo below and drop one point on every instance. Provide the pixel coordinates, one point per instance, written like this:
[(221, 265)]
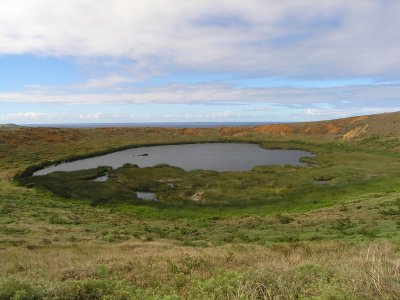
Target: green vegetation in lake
[(344, 171)]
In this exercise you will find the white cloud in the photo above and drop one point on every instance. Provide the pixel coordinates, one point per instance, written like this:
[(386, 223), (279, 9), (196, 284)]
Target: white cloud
[(323, 114), (105, 82), (361, 95), (135, 40), (280, 38), (280, 115), (99, 117), (43, 118)]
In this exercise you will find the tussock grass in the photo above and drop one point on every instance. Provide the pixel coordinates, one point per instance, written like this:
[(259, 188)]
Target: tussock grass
[(161, 269), (336, 240)]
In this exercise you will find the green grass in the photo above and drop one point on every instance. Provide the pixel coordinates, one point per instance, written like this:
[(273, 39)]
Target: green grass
[(262, 206), (264, 190), (330, 230)]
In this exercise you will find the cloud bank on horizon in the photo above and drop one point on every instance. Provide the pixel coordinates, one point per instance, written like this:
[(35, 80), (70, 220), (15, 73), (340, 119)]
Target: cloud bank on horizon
[(205, 60)]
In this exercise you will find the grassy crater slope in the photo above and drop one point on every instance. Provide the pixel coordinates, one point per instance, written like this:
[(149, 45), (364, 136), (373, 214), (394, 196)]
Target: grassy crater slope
[(329, 230)]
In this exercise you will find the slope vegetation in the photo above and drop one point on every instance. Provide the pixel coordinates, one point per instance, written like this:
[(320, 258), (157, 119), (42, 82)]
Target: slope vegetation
[(336, 236)]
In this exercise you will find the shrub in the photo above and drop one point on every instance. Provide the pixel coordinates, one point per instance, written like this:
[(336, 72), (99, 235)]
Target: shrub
[(13, 288), (93, 289), (284, 219)]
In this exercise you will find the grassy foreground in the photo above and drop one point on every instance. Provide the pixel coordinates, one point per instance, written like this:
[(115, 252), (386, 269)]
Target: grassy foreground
[(336, 240)]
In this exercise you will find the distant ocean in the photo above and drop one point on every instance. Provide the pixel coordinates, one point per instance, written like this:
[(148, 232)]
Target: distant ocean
[(157, 124)]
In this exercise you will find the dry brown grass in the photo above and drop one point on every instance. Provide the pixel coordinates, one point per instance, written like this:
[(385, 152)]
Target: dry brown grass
[(282, 271)]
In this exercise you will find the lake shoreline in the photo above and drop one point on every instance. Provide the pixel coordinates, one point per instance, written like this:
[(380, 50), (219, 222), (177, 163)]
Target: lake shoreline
[(29, 171)]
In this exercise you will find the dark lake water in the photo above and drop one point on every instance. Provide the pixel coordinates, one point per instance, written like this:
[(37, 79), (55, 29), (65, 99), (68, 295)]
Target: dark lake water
[(207, 156)]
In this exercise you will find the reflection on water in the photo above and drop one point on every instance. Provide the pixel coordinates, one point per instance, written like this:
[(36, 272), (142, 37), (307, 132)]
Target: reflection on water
[(101, 178), (147, 196)]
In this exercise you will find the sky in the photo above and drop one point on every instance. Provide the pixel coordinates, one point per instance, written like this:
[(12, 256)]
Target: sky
[(101, 61)]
